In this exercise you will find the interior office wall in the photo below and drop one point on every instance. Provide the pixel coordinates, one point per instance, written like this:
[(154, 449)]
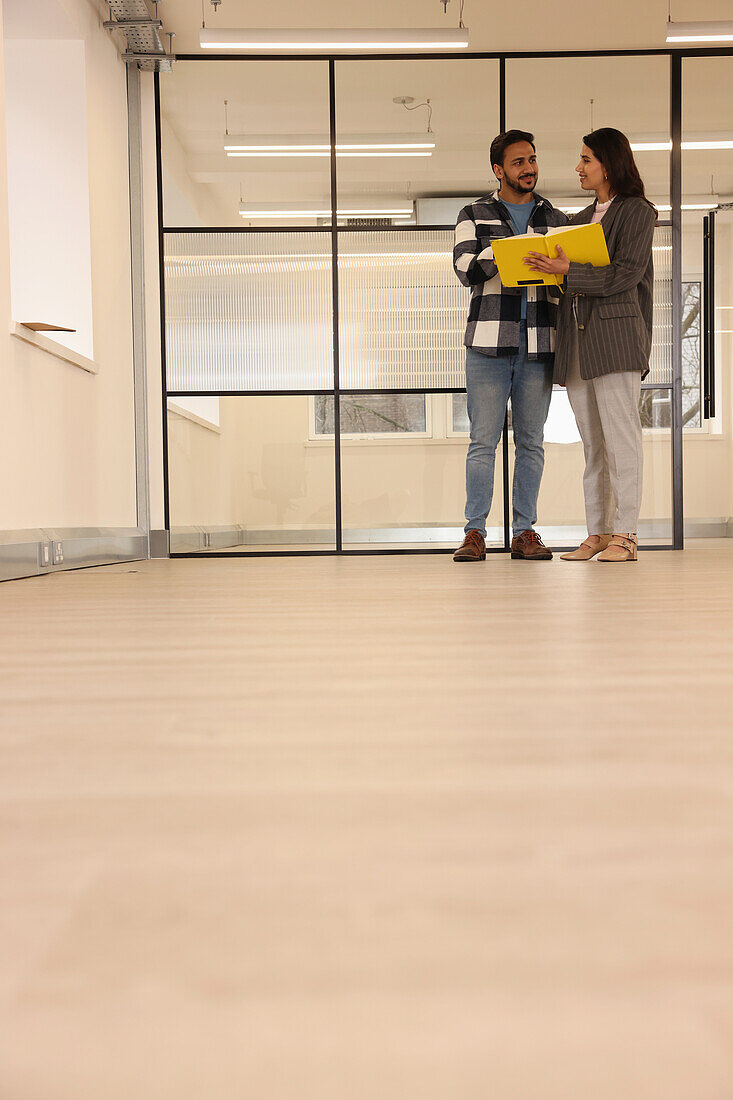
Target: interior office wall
[(48, 185), (67, 438)]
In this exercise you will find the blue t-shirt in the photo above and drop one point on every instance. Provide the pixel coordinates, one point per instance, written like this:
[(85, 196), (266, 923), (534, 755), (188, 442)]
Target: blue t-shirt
[(520, 213)]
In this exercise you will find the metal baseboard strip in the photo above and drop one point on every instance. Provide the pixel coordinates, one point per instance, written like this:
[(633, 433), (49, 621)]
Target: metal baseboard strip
[(709, 528), (51, 550), (192, 540)]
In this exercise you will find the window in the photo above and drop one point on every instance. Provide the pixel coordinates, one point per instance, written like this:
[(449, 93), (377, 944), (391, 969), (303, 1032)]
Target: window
[(655, 407), (691, 360), (374, 414)]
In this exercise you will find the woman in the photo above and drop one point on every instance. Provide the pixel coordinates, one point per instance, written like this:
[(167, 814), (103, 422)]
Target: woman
[(604, 337)]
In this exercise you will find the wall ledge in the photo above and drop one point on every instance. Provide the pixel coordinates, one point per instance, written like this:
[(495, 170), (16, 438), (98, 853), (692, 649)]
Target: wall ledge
[(186, 414), (53, 347)]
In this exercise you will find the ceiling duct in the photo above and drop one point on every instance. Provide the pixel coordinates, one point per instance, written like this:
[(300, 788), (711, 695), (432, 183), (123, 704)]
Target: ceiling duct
[(143, 35)]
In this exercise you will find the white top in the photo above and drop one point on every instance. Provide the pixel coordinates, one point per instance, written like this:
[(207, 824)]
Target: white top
[(601, 208)]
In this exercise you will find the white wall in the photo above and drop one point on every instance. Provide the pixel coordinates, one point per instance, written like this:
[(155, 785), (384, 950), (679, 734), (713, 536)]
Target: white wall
[(48, 186), (67, 436), (185, 202)]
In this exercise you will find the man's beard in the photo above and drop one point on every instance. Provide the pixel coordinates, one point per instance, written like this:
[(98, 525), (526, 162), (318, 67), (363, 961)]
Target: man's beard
[(524, 185)]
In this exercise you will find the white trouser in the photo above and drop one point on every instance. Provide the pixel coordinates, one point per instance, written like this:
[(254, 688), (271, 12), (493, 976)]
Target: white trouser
[(607, 412)]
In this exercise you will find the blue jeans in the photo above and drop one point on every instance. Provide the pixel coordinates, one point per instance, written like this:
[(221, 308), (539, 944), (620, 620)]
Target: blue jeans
[(490, 383)]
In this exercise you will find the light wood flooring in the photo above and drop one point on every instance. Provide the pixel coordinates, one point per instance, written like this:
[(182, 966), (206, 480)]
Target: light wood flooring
[(380, 828)]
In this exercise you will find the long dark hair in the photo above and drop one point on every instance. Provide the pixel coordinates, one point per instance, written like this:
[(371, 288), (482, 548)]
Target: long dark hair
[(613, 150)]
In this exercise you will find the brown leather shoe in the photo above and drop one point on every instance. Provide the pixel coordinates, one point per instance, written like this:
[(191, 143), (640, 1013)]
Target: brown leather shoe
[(530, 546), (473, 548)]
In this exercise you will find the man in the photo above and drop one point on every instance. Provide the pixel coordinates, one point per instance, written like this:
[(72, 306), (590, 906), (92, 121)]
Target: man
[(510, 338)]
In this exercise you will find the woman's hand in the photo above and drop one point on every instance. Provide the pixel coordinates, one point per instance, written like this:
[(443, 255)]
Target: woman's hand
[(536, 261)]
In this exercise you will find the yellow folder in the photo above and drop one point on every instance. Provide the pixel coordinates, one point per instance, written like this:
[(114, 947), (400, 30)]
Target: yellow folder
[(582, 244)]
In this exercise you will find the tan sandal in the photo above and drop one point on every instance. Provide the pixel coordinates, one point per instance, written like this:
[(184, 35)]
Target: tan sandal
[(588, 549), (620, 548)]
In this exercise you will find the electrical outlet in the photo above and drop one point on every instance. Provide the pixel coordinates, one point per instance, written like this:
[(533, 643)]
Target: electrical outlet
[(45, 555), (58, 553)]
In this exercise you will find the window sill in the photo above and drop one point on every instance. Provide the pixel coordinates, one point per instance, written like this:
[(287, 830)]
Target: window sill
[(186, 414), (408, 439), (53, 347)]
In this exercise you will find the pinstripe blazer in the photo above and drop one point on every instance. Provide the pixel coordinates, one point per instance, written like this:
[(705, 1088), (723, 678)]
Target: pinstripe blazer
[(611, 306)]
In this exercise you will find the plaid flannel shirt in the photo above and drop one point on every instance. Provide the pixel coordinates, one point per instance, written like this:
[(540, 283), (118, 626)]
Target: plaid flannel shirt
[(495, 310)]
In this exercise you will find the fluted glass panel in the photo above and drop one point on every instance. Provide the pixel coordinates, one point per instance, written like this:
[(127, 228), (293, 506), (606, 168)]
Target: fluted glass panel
[(660, 361), (401, 311), (248, 311)]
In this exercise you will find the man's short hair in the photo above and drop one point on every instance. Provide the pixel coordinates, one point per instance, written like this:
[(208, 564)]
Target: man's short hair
[(501, 143)]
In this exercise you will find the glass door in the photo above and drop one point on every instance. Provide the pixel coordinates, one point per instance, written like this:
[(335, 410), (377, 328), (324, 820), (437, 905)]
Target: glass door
[(632, 95), (402, 311)]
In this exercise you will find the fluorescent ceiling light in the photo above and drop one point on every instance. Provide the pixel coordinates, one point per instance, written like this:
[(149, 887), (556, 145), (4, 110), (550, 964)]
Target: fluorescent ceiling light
[(719, 30), (651, 146), (691, 202), (697, 142), (726, 143), (708, 204), (304, 41), (339, 153), (303, 144), (282, 211), (325, 148)]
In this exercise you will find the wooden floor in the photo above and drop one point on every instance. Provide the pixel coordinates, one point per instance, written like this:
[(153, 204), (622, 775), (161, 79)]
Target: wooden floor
[(368, 829)]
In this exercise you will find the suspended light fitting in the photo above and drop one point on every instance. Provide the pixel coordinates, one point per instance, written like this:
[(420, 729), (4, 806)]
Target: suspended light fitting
[(341, 151), (313, 144), (572, 205), (657, 143), (719, 30), (333, 41), (295, 210)]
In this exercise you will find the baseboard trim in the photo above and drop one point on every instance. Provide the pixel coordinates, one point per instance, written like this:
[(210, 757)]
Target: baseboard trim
[(199, 539), (51, 550)]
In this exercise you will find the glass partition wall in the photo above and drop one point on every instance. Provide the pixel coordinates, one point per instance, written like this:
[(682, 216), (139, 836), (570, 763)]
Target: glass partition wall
[(707, 259), (313, 337), (631, 94)]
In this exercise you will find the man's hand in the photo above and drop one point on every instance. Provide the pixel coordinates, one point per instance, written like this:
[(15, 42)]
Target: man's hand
[(535, 261)]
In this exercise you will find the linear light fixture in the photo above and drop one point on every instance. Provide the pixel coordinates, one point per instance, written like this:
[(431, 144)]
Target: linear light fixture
[(654, 144), (317, 41), (318, 145), (695, 204), (305, 144), (692, 202), (719, 30), (339, 153), (284, 210)]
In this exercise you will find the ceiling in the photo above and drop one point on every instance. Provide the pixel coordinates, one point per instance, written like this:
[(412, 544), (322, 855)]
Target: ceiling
[(501, 27), (550, 97)]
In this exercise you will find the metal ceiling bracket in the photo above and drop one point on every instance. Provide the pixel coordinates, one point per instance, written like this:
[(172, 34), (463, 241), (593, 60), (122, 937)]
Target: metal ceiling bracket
[(129, 24), (142, 34)]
